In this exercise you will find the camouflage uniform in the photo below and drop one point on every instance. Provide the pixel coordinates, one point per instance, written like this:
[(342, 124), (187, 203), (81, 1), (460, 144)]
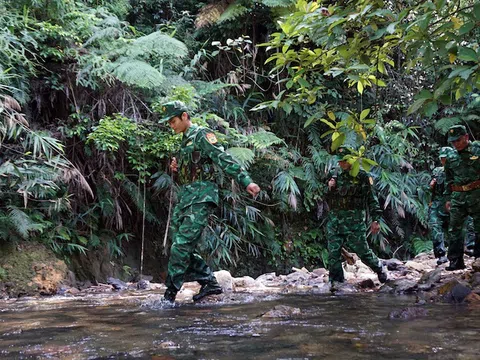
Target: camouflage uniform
[(462, 171), (197, 198), (438, 216), (346, 221)]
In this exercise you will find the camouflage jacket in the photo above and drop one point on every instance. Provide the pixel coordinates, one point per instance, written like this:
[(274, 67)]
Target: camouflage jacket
[(199, 154), (462, 167), (438, 197), (353, 193)]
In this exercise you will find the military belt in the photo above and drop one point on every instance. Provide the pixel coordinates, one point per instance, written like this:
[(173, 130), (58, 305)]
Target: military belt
[(345, 203), (468, 187)]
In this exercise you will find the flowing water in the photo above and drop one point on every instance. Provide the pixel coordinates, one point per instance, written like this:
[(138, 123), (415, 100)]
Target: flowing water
[(142, 327)]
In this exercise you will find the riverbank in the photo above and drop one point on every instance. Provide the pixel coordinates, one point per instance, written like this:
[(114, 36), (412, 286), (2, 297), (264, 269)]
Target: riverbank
[(420, 276)]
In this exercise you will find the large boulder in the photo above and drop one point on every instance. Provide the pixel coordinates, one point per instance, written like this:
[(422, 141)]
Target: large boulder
[(225, 280), (30, 269)]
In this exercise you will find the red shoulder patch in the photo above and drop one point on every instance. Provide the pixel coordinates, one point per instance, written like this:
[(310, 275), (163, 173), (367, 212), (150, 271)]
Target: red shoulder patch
[(211, 138)]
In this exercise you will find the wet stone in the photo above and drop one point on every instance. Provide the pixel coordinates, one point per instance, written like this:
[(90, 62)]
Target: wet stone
[(117, 284), (366, 284), (281, 311), (476, 265), (393, 264), (408, 313)]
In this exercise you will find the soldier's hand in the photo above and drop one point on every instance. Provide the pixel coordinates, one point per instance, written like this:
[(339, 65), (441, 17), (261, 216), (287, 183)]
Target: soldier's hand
[(448, 205), (253, 189), (375, 227), (174, 164), (332, 183), (433, 183)]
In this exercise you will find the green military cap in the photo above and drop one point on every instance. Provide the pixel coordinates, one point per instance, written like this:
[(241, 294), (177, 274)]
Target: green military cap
[(171, 109), (455, 132), (444, 151), (341, 151)]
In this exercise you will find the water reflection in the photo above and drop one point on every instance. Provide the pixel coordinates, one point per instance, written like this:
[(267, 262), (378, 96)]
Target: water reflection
[(329, 327)]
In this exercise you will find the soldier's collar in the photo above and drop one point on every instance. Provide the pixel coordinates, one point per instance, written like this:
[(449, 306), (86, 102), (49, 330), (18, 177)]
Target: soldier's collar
[(191, 130)]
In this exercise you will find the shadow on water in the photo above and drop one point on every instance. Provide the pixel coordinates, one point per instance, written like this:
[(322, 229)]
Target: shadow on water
[(328, 327)]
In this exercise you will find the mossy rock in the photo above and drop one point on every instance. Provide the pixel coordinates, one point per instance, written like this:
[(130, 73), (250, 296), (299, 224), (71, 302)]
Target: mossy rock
[(30, 269)]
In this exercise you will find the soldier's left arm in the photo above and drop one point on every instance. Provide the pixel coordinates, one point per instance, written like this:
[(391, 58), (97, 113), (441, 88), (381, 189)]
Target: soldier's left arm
[(208, 144)]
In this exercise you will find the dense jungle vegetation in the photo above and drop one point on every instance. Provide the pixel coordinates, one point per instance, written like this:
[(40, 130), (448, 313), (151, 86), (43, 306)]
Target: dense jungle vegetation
[(282, 82)]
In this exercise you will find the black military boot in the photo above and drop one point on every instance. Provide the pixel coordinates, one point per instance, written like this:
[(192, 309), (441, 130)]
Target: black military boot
[(170, 295), (211, 288), (442, 260), (383, 275), (456, 264)]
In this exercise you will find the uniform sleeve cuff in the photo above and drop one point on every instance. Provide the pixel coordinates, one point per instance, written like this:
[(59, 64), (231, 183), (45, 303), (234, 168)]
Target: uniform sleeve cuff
[(246, 181)]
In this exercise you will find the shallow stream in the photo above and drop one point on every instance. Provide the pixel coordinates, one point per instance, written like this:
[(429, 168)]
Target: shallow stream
[(141, 327)]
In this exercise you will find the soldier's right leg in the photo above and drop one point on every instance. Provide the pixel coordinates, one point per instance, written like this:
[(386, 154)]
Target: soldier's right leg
[(185, 240), (474, 211), (435, 223), (335, 242), (470, 236), (458, 214)]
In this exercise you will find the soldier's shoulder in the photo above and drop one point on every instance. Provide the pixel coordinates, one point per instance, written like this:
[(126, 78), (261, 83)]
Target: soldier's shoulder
[(475, 146)]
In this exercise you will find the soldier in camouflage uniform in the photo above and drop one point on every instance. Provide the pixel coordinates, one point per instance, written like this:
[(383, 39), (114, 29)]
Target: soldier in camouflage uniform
[(462, 171), (348, 198), (439, 217), (197, 198)]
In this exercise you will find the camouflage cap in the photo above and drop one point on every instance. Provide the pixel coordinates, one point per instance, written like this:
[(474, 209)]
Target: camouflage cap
[(171, 109), (455, 132), (444, 151), (341, 151)]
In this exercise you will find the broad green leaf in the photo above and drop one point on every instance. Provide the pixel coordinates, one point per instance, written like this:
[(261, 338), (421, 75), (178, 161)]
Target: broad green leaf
[(310, 120), (325, 121), (467, 54), (355, 168), (366, 166), (364, 114), (424, 94), (476, 10), (360, 87), (466, 28), (331, 115), (303, 82), (442, 88), (415, 106), (338, 141), (391, 27), (431, 108)]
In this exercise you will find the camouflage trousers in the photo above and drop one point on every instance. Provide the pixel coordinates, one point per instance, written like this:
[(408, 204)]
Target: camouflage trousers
[(438, 222), (185, 264), (463, 204), (347, 228)]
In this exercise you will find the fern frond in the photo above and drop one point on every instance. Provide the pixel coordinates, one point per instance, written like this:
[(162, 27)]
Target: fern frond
[(22, 223), (159, 45), (263, 139), (109, 33), (210, 13), (444, 124), (234, 11), (243, 155), (277, 3), (137, 73), (205, 88), (133, 192)]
